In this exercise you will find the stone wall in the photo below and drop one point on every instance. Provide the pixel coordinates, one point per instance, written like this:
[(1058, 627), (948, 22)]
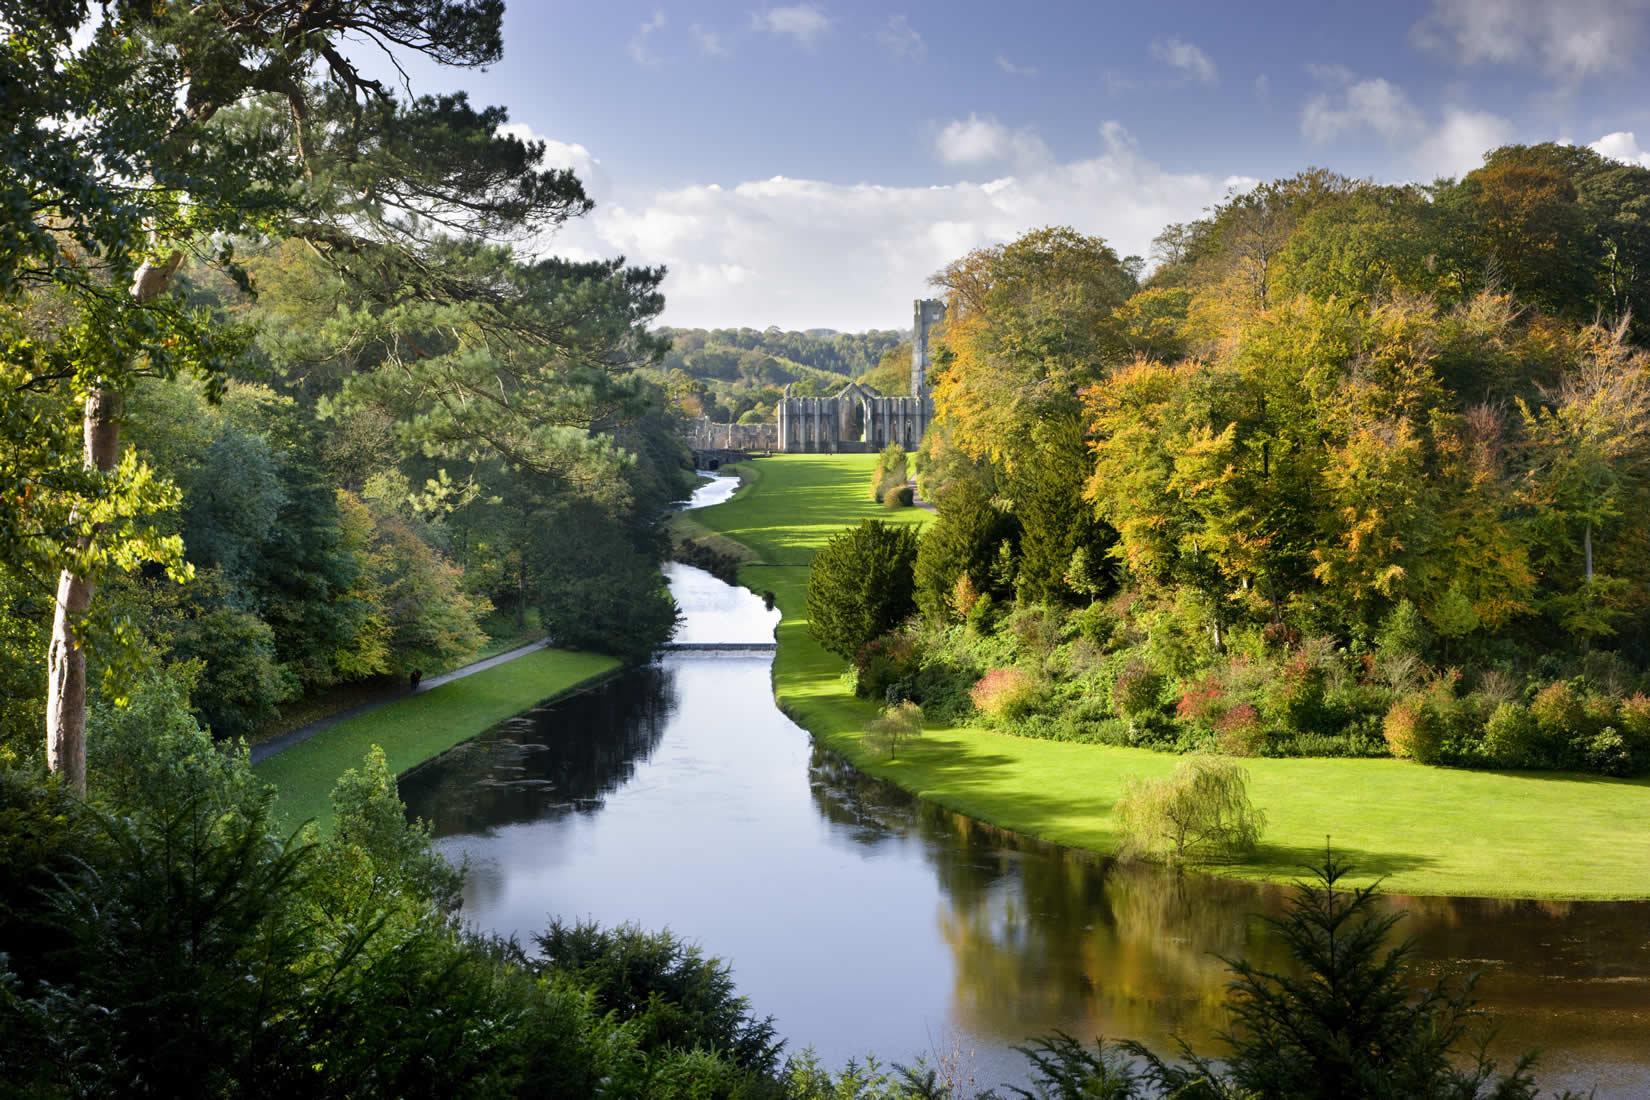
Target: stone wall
[(703, 434)]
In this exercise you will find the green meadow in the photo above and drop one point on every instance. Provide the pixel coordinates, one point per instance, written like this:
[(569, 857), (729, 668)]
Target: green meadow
[(1422, 830)]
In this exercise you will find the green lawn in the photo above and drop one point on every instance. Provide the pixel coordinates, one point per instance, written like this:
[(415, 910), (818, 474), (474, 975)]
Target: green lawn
[(1425, 830), (414, 729)]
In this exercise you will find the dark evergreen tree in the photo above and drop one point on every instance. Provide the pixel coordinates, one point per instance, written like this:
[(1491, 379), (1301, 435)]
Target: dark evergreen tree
[(860, 585)]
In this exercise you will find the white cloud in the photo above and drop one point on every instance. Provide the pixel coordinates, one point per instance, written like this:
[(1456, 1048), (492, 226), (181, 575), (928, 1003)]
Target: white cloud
[(976, 140), (803, 22), (901, 39), (733, 252), (637, 47), (1012, 69), (1185, 57), (1458, 144), (1365, 104), (1623, 146), (709, 41), (1568, 39)]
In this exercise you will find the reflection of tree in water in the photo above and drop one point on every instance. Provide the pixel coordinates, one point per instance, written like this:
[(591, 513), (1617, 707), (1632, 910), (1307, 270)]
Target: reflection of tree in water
[(554, 760), (1044, 937)]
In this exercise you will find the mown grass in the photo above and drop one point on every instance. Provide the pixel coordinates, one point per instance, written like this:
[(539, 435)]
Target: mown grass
[(414, 729), (1424, 830)]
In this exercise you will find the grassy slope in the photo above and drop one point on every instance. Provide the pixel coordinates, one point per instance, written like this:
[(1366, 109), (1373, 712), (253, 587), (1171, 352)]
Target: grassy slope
[(1426, 830), (414, 729)]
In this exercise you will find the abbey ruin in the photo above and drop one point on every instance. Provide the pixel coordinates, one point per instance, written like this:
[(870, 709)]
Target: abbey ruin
[(855, 419)]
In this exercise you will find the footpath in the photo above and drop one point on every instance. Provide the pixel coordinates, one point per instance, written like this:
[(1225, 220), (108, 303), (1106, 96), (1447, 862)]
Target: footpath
[(285, 741)]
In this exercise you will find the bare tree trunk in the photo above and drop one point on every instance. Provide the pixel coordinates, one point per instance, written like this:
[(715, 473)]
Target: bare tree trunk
[(1588, 543), (66, 657)]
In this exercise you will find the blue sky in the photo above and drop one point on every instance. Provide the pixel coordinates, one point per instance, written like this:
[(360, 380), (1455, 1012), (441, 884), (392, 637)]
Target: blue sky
[(810, 164)]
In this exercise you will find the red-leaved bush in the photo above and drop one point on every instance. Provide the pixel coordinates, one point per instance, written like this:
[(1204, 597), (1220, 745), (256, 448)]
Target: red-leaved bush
[(1239, 731), (1203, 703), (1005, 693)]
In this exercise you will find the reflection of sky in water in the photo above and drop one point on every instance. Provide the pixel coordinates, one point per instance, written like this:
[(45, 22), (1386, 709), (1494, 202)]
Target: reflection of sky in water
[(864, 921), (714, 613)]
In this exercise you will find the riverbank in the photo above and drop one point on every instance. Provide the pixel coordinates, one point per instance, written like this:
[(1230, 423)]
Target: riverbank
[(419, 727), (1423, 830)]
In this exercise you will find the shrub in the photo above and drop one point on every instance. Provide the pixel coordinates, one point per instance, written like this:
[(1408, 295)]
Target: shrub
[(891, 471), (899, 496), (1005, 694), (1513, 739), (1558, 711), (860, 586), (1606, 753), (963, 596), (1295, 696), (1203, 808), (1096, 622), (1240, 732), (895, 724), (1203, 703), (1134, 694), (882, 662), (1413, 729), (1633, 721)]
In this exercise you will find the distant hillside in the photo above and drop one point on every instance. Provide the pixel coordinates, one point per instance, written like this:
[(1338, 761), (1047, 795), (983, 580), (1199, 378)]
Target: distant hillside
[(849, 354), (738, 374)]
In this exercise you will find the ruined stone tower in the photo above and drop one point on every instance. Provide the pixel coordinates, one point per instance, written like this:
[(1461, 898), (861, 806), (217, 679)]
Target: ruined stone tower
[(927, 313)]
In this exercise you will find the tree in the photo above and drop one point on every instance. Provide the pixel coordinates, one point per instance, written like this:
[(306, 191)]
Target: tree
[(1201, 810), (187, 150), (860, 585), (1029, 324), (596, 589)]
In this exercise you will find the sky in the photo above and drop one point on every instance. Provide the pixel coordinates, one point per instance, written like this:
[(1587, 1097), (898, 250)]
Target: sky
[(810, 165)]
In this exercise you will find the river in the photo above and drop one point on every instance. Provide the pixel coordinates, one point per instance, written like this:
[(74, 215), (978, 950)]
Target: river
[(867, 921)]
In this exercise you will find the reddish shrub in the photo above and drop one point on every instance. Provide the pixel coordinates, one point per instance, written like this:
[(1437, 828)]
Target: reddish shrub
[(1413, 730), (1239, 731), (1005, 693), (1203, 703)]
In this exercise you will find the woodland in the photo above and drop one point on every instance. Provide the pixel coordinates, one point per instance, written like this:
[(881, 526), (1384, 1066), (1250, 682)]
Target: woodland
[(1357, 470), (283, 409)]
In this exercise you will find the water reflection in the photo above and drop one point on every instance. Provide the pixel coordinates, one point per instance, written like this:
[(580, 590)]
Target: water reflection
[(865, 919)]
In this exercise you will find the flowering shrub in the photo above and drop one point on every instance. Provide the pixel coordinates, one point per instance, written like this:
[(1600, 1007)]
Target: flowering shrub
[(1005, 693), (1239, 731)]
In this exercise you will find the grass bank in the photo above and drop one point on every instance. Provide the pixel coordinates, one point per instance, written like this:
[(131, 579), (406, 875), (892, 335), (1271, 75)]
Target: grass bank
[(1424, 830), (416, 728)]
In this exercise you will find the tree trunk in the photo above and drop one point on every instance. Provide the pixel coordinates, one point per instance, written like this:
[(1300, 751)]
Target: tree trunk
[(66, 659), (1587, 541), (66, 656)]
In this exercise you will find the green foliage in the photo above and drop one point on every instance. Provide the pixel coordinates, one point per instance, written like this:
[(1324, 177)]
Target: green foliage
[(890, 472), (596, 590), (860, 586), (1202, 811), (1064, 1070), (1137, 692), (675, 997), (960, 543), (1513, 738), (897, 723)]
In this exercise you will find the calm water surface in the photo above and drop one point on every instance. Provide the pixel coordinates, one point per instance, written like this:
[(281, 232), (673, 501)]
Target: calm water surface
[(866, 920)]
